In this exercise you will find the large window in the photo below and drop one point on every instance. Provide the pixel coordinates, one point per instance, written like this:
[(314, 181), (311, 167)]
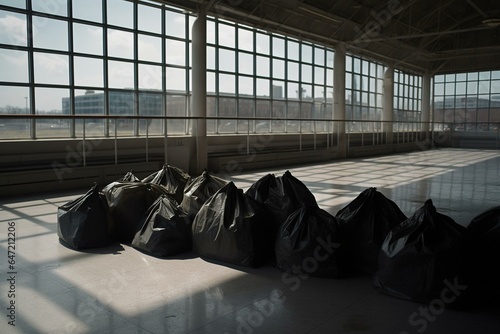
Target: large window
[(131, 61), (363, 94), (252, 73), (467, 101), (407, 101)]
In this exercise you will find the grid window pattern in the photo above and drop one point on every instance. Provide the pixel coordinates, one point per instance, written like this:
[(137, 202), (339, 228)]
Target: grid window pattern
[(256, 74), (364, 90), (467, 101), (92, 57), (407, 100)]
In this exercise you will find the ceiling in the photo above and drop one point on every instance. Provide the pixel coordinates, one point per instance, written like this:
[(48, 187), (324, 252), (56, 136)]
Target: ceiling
[(439, 36)]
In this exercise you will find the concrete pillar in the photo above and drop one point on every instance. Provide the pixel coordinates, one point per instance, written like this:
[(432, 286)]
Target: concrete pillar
[(388, 104), (199, 92), (426, 105), (339, 100)]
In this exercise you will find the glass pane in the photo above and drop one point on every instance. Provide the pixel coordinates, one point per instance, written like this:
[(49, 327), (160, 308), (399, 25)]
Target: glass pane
[(329, 77), (151, 104), (13, 28), (307, 73), (51, 68), (210, 57), (176, 106), (319, 75), (472, 76), (484, 87), (120, 44), (176, 24), (50, 101), (307, 53), (245, 39), (210, 31), (149, 18), (319, 92), (14, 65), (210, 83), (226, 84), (50, 34), (88, 102), (14, 3), (293, 90), (122, 103), (263, 66), (329, 59), (150, 77), (495, 75), (226, 35), (245, 85), (278, 89), (88, 72), (278, 47), (176, 79), (278, 69), (149, 48), (245, 63), (293, 71), (495, 88), (319, 56), (87, 39), (14, 100), (176, 52), (121, 74), (472, 87), (54, 7), (263, 88), (262, 43), (121, 13), (88, 10), (226, 60), (293, 50)]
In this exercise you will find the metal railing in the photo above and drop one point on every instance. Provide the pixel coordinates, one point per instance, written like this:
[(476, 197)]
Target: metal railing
[(304, 133)]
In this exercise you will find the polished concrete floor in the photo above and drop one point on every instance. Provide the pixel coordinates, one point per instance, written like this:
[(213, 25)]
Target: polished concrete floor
[(121, 290)]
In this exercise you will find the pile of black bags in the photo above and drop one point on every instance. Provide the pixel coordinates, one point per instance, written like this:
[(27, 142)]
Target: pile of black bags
[(278, 220)]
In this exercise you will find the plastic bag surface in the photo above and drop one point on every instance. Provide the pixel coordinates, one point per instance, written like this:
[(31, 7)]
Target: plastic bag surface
[(172, 178), (366, 221), (310, 242), (421, 257), (84, 222), (232, 227), (199, 190), (165, 231), (127, 202)]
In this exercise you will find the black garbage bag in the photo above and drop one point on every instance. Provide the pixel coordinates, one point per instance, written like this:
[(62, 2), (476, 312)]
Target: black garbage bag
[(231, 227), (165, 231), (421, 259), (310, 242), (84, 222), (129, 177), (366, 221), (281, 195), (199, 190), (172, 178), (482, 256), (127, 202), (297, 191), (270, 192)]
